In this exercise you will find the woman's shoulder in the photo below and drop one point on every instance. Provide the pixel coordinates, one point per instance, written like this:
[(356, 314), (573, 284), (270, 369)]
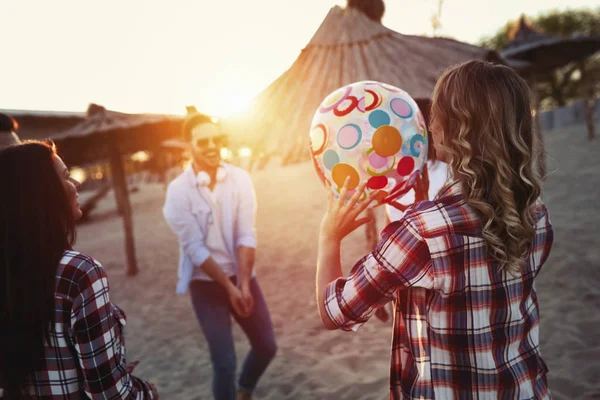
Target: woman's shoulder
[(79, 260), (75, 266), (443, 216), (426, 217)]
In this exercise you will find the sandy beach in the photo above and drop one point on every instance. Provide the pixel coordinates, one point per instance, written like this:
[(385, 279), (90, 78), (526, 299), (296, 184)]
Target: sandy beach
[(313, 363)]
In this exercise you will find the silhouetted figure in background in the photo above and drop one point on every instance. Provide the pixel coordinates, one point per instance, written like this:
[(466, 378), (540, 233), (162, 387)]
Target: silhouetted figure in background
[(8, 131)]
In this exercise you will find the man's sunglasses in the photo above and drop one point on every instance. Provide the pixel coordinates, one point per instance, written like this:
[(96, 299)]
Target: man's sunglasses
[(218, 141)]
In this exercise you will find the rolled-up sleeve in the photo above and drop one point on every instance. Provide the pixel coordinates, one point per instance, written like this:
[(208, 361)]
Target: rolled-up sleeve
[(401, 260), (178, 214), (246, 221)]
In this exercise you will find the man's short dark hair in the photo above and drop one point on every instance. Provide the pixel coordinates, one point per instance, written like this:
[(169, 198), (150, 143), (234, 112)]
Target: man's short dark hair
[(8, 124), (191, 122)]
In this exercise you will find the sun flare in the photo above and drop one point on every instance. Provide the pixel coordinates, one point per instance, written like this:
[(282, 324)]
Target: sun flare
[(226, 100)]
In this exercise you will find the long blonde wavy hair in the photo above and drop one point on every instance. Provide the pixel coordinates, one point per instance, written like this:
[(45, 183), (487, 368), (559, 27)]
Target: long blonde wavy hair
[(482, 113)]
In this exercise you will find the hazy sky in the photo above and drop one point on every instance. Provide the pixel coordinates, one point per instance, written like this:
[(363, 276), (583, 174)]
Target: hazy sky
[(158, 56)]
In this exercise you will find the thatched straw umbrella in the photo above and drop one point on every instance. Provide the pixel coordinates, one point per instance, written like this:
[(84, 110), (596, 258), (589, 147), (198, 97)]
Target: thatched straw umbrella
[(350, 45), (547, 52), (111, 135)]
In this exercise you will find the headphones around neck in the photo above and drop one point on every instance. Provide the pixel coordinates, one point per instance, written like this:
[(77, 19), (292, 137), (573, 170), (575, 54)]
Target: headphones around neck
[(203, 178)]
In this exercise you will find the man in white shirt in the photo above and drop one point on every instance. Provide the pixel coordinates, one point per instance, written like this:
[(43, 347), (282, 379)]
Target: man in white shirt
[(211, 208)]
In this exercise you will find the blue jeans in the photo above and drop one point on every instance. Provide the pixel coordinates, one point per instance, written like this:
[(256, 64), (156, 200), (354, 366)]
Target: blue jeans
[(211, 304)]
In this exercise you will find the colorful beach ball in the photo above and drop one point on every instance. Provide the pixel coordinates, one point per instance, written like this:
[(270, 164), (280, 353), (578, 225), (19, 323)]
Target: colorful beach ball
[(369, 131)]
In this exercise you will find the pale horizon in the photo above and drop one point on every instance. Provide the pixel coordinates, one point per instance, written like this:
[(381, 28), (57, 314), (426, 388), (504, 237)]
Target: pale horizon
[(158, 57)]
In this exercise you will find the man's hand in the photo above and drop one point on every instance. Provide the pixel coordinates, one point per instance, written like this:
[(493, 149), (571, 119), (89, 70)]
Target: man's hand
[(245, 257), (248, 299), (237, 301)]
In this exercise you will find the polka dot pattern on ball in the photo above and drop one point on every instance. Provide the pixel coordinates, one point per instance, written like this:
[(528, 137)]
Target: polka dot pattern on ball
[(379, 118), (342, 171), (349, 136), (387, 141), (330, 159), (401, 108)]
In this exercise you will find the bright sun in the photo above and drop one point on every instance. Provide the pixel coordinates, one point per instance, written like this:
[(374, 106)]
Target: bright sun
[(235, 103), (219, 98), (225, 104)]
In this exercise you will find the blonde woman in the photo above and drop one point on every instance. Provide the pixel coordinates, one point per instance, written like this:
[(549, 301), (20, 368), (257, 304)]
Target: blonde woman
[(460, 269)]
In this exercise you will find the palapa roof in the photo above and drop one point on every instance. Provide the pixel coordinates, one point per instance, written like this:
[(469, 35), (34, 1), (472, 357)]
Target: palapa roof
[(88, 140), (37, 124), (82, 137), (347, 47), (546, 51), (100, 120)]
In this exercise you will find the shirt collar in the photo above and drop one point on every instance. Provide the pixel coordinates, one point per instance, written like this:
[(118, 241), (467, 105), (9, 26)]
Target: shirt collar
[(189, 175), (450, 189)]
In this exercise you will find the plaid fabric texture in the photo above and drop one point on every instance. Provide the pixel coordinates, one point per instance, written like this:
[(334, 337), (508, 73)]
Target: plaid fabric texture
[(462, 329), (86, 354)]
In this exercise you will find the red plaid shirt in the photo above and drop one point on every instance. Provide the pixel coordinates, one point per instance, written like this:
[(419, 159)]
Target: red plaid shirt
[(462, 328), (86, 354)]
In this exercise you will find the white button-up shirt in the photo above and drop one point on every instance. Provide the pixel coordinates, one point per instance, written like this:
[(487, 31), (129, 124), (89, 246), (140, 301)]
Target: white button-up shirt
[(206, 227)]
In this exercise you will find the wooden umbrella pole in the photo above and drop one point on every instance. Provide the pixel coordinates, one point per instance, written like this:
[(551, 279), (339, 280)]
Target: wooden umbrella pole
[(115, 167), (118, 192), (122, 194)]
